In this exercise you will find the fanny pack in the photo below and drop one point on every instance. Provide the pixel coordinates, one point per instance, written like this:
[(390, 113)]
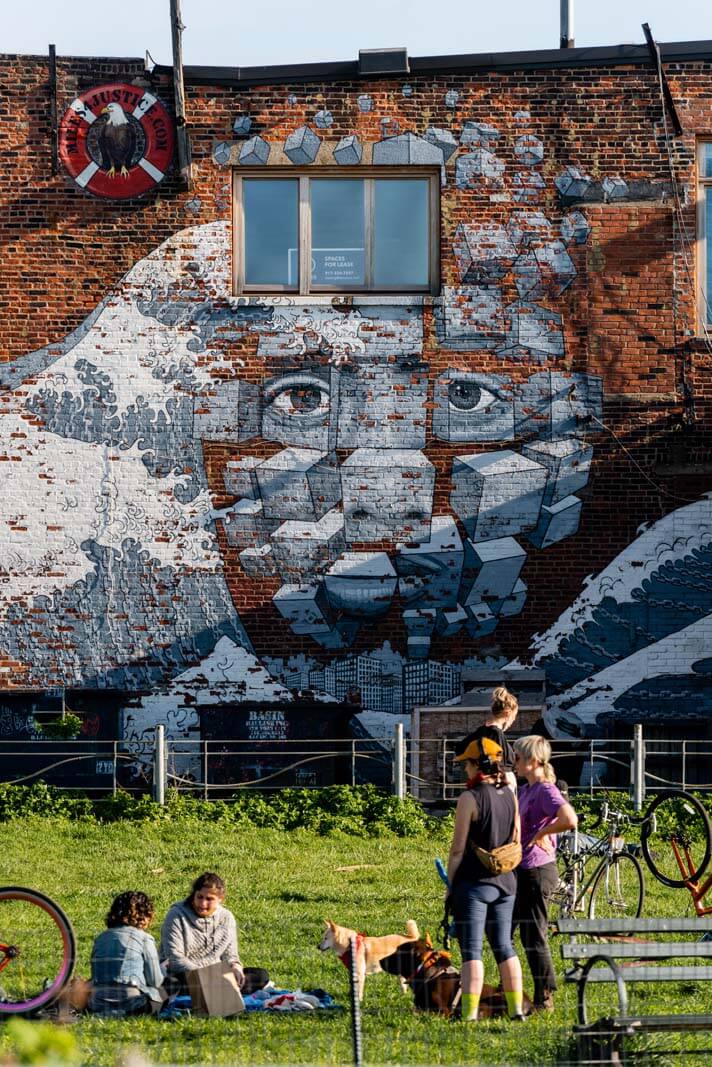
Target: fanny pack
[(500, 860), (505, 858)]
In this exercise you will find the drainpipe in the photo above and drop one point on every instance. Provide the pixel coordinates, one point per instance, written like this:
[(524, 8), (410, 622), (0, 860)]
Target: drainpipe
[(567, 24)]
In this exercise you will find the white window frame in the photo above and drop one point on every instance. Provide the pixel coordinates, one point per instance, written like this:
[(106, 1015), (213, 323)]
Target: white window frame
[(704, 284), (303, 175)]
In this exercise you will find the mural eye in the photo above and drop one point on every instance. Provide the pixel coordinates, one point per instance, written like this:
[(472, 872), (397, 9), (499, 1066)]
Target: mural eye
[(299, 400), (469, 396), (299, 395)]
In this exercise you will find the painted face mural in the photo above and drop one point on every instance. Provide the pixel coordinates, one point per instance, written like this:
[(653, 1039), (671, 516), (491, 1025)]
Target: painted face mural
[(189, 469), (345, 515)]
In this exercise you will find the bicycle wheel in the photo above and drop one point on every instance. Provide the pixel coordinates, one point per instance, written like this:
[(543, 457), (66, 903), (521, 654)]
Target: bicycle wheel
[(618, 889), (675, 838), (37, 951)]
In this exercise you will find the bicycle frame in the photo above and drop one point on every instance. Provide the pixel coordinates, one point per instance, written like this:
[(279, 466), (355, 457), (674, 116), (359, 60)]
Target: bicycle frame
[(8, 953), (601, 850), (698, 890)]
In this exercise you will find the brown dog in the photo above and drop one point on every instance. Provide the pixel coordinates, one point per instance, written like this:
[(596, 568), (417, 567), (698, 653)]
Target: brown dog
[(429, 973), (369, 950), (436, 983)]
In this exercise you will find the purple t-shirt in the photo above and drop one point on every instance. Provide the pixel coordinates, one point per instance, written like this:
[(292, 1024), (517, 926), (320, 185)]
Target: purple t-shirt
[(538, 805)]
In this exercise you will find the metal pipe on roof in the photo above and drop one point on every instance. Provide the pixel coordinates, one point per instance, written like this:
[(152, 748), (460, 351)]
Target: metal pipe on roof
[(567, 24)]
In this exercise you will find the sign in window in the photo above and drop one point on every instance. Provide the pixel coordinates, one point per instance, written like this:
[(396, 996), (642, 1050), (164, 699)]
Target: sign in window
[(309, 234)]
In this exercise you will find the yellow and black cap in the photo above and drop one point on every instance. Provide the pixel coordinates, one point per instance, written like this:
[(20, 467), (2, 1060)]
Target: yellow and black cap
[(479, 749)]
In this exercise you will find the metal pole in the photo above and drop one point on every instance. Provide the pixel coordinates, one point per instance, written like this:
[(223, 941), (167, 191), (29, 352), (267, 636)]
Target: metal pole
[(567, 24), (182, 142), (638, 767), (53, 111), (444, 764), (353, 762), (159, 765), (356, 1035), (205, 770), (116, 764), (590, 768), (399, 761)]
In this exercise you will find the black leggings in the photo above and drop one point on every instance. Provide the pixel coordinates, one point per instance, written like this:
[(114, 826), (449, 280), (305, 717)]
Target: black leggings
[(534, 890)]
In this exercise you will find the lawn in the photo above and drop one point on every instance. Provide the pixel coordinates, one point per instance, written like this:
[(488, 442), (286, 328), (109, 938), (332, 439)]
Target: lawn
[(280, 887)]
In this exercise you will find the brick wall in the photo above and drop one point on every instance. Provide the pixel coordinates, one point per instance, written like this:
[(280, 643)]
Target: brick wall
[(168, 532)]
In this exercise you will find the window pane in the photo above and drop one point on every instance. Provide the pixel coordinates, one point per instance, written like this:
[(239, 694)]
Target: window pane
[(708, 254), (401, 233), (706, 160), (338, 257), (271, 210)]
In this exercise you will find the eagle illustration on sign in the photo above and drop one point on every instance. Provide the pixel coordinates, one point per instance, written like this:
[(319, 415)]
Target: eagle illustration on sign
[(116, 141)]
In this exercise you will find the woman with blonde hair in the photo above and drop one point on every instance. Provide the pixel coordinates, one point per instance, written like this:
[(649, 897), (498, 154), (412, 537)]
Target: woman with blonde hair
[(544, 812), (504, 709)]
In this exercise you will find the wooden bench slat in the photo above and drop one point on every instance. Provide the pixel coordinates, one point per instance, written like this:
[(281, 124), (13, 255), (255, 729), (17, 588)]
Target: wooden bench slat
[(627, 950), (646, 974), (592, 927)]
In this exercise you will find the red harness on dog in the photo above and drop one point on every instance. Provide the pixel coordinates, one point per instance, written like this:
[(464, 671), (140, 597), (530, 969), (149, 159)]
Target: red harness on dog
[(431, 959), (346, 957), (432, 965)]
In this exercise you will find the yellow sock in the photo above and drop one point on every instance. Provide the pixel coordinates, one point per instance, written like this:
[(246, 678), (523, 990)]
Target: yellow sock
[(470, 1007), (515, 1002)]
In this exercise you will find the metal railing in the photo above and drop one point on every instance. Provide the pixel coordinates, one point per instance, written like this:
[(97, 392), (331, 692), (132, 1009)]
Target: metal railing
[(215, 769), (212, 769)]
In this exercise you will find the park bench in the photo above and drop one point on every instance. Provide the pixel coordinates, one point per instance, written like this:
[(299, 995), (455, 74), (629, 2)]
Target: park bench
[(638, 951)]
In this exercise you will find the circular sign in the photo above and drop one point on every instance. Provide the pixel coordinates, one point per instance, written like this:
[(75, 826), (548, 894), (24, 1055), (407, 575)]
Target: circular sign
[(116, 141)]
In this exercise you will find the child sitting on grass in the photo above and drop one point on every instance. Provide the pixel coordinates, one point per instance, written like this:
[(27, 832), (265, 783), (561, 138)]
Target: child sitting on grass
[(125, 972)]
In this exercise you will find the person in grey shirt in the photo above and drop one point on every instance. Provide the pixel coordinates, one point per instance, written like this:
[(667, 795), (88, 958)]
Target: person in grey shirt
[(200, 931), (126, 974)]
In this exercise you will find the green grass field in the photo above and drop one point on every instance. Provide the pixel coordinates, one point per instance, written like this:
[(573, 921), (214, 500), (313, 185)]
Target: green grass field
[(280, 887)]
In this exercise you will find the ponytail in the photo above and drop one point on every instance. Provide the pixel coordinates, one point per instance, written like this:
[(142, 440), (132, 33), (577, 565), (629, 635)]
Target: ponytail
[(536, 748)]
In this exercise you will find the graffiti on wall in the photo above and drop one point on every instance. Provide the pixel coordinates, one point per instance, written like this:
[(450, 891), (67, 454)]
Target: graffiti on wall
[(637, 640), (111, 544)]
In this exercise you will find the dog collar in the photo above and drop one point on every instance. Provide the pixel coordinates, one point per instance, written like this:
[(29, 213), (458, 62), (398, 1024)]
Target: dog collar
[(346, 956), (431, 959)]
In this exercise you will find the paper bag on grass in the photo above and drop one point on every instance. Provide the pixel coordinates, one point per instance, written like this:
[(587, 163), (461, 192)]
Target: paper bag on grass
[(214, 990)]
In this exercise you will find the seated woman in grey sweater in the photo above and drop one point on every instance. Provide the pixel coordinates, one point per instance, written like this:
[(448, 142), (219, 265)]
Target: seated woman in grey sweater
[(199, 931), (125, 973)]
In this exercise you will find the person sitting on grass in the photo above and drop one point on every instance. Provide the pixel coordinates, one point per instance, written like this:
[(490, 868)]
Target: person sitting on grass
[(200, 931), (126, 975)]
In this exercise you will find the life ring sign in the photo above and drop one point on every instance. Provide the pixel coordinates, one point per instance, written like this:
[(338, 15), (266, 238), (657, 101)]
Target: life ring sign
[(116, 141)]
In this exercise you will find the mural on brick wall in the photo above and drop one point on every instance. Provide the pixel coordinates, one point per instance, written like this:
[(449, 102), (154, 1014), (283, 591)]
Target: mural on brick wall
[(637, 641), (114, 552)]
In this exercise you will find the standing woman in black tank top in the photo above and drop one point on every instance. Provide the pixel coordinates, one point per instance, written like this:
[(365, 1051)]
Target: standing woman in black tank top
[(483, 902)]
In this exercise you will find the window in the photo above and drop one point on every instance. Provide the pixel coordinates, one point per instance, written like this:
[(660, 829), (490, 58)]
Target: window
[(309, 233), (704, 232)]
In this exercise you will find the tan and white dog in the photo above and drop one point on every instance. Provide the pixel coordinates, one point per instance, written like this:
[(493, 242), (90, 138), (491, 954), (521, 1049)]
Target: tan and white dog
[(369, 950)]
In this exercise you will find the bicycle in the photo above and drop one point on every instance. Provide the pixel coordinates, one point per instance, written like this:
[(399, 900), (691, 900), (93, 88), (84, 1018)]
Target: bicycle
[(37, 951), (676, 843), (616, 886)]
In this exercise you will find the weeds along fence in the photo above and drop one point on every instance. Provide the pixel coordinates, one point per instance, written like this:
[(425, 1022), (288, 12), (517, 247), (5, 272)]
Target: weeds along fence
[(217, 769)]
